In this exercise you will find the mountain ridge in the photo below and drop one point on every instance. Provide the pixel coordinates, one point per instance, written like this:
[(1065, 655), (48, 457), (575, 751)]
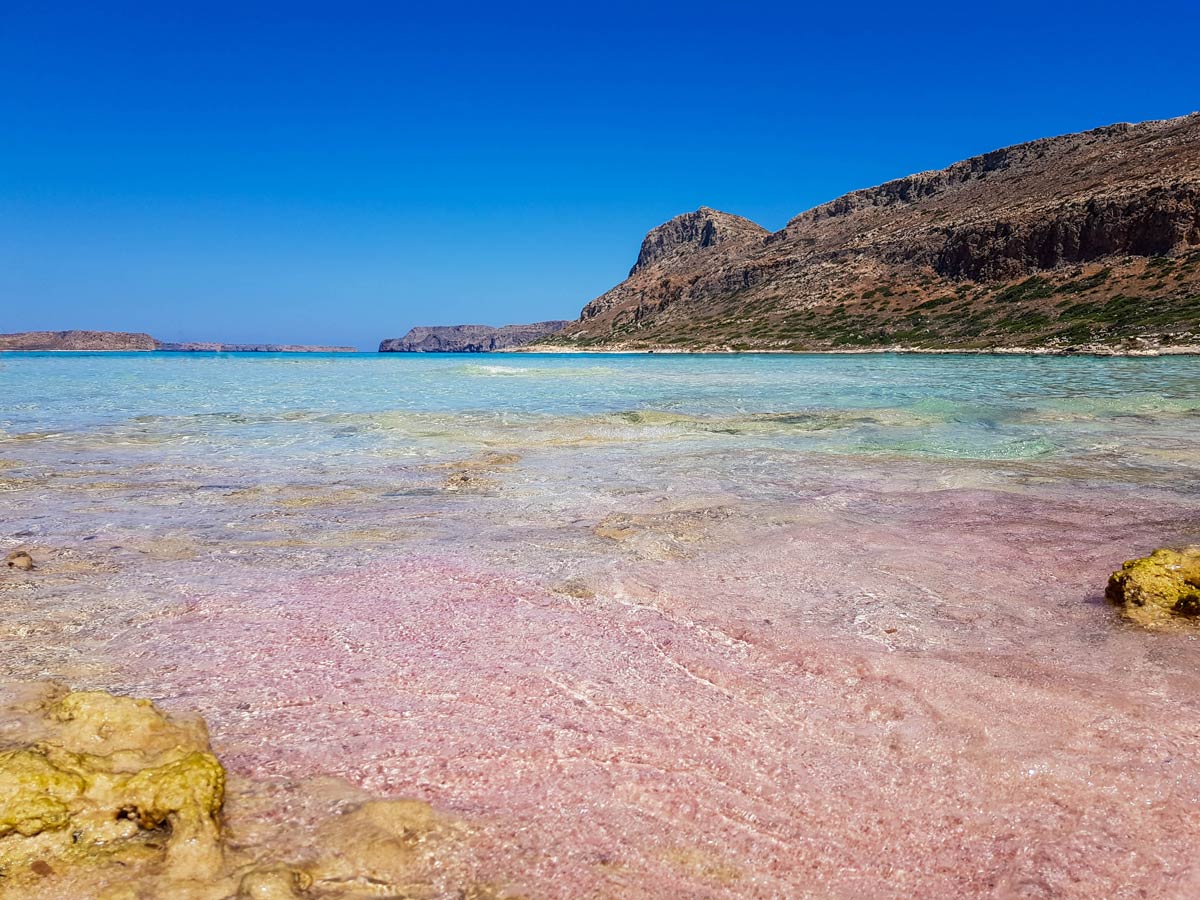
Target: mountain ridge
[(1105, 222)]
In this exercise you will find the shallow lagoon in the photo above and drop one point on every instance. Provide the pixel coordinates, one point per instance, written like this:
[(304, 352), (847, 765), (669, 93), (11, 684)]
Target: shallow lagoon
[(702, 626)]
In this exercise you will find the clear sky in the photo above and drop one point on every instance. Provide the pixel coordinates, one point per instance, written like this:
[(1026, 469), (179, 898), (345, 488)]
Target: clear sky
[(339, 172)]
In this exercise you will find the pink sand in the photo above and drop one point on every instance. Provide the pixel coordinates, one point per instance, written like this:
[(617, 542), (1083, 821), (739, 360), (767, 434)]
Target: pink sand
[(921, 699)]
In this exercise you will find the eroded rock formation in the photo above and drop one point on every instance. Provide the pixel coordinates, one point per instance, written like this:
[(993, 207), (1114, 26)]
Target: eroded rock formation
[(1158, 587), (107, 797), (110, 780)]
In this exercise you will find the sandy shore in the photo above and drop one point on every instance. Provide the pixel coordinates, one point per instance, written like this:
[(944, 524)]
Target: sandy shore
[(1098, 350)]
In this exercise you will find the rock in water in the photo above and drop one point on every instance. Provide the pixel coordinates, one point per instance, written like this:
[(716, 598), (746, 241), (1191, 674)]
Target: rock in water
[(19, 559), (112, 780), (1158, 587)]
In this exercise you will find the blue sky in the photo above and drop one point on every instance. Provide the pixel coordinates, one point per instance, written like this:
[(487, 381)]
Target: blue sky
[(338, 172)]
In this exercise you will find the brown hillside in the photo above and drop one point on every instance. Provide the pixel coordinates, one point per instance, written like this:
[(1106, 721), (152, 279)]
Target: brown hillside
[(1090, 238)]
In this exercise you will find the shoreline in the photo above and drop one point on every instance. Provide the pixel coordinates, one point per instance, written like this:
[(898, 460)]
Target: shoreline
[(1091, 350), (191, 352), (542, 349)]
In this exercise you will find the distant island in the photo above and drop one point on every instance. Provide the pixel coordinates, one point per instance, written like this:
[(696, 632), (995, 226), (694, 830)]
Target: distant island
[(124, 341), (76, 341), (1086, 242), (211, 347), (469, 338)]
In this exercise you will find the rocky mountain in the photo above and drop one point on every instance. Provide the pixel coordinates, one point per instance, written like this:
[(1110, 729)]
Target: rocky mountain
[(76, 340), (212, 347), (468, 338), (1085, 239), (674, 241)]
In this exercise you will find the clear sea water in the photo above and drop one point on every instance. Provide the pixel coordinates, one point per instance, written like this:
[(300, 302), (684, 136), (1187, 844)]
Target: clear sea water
[(953, 406), (696, 626)]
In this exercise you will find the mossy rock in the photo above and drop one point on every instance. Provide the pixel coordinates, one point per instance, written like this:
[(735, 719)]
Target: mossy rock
[(1159, 587), (111, 776)]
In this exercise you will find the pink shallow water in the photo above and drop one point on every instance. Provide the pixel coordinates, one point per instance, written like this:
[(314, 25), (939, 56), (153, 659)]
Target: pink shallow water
[(689, 628), (913, 695)]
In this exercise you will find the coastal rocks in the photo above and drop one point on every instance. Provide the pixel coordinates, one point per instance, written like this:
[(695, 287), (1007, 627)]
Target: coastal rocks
[(468, 338), (471, 474), (274, 883), (661, 535), (110, 781), (19, 559), (378, 846), (107, 797), (1158, 587), (76, 340)]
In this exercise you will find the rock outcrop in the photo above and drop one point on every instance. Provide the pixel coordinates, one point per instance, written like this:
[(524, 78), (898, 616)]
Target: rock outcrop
[(111, 779), (1089, 238), (1158, 587), (108, 797), (19, 559), (215, 347), (685, 234), (76, 340), (468, 338)]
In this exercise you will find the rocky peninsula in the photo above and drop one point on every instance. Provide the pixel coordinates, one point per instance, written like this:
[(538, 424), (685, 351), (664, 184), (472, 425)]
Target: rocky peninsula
[(1087, 241), (468, 338), (124, 341)]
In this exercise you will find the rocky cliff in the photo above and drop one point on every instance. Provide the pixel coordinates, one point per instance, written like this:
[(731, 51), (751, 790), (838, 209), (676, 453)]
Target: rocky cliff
[(681, 237), (76, 340), (1089, 238), (468, 338)]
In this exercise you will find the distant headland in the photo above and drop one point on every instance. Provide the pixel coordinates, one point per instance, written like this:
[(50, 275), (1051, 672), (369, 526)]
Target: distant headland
[(212, 347), (1081, 243), (1084, 243), (469, 338), (125, 341)]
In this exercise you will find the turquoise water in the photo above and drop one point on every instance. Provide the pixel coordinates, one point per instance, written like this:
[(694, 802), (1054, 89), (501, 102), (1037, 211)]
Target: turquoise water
[(982, 407), (526, 587)]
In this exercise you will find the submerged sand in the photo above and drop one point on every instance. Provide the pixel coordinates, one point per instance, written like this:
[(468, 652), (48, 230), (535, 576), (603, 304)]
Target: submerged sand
[(645, 655)]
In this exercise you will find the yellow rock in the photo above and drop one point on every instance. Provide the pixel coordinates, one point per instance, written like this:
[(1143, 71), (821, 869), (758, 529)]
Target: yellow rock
[(112, 780), (108, 798), (19, 559), (1158, 587), (101, 724), (35, 795)]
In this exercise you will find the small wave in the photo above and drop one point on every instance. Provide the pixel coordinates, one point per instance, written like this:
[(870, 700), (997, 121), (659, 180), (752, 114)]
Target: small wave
[(480, 370)]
